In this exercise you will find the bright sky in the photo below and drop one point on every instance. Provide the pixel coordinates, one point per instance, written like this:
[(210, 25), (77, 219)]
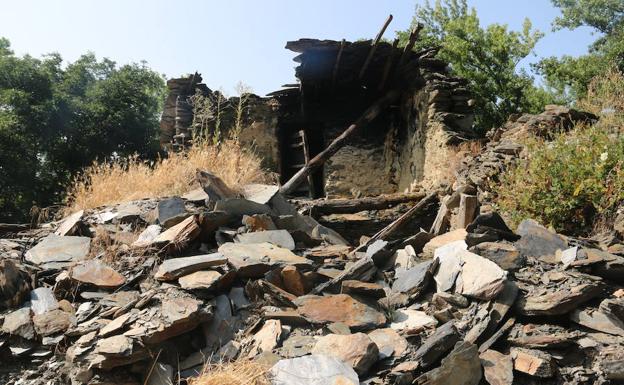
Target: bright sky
[(229, 41)]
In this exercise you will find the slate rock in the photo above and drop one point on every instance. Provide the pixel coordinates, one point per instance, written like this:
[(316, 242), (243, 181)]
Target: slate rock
[(461, 367), (505, 255), (241, 206), (598, 320), (533, 362), (19, 323), (340, 308), (389, 343), (179, 235), (479, 277), (200, 280), (440, 342), (497, 367), (357, 350), (280, 238), (314, 369), (52, 322), (55, 251), (42, 300), (366, 289), (444, 239), (267, 338), (171, 211), (539, 242), (411, 320), (253, 260), (98, 274), (415, 280), (173, 268), (72, 225)]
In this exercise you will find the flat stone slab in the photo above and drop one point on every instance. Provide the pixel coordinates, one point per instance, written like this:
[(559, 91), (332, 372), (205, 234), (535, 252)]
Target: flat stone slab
[(389, 343), (315, 369), (255, 259), (357, 350), (69, 224), (539, 242), (173, 268), (171, 211), (260, 193), (340, 308), (200, 280), (281, 238), (98, 274), (410, 320), (412, 281), (56, 251), (241, 206)]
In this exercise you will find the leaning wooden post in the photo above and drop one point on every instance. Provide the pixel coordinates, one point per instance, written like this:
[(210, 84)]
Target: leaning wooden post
[(337, 64), (410, 44), (374, 46), (371, 113)]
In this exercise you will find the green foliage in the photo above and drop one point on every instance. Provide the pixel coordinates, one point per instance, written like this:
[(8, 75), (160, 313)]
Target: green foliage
[(570, 76), (487, 57), (578, 177), (54, 121)]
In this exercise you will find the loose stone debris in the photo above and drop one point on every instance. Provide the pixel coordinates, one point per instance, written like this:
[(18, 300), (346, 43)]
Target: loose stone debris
[(223, 277)]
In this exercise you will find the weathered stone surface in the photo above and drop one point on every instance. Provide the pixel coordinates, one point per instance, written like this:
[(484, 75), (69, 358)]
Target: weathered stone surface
[(267, 338), (411, 321), (253, 260), (497, 367), (413, 281), (297, 346), (449, 265), (197, 195), (241, 206), (293, 281), (55, 251), (340, 308), (539, 242), (598, 320), (357, 350), (440, 342), (564, 293), (52, 322), (98, 274), (280, 238), (313, 370), (161, 374), (147, 236), (533, 362), (71, 224), (389, 343), (366, 289), (19, 323), (171, 211), (215, 187), (42, 300), (505, 255), (180, 234), (260, 193), (200, 280), (116, 325), (479, 277), (444, 239), (461, 367), (177, 315), (173, 268)]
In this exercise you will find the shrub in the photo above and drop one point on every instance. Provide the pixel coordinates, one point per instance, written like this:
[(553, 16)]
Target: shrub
[(130, 178), (578, 177)]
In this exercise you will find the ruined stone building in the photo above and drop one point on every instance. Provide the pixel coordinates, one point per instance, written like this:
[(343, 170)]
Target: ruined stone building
[(408, 143)]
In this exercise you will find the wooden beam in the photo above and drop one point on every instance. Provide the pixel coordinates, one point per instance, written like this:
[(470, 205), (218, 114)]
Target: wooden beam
[(374, 46), (13, 227), (350, 206), (410, 44), (371, 113), (388, 66), (337, 65)]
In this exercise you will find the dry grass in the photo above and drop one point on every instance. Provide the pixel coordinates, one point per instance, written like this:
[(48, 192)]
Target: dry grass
[(130, 179), (239, 372)]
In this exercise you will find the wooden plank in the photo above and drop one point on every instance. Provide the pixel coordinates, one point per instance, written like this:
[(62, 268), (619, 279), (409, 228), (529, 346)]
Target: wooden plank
[(371, 113), (388, 66), (350, 206), (306, 157), (337, 65), (374, 47), (410, 44)]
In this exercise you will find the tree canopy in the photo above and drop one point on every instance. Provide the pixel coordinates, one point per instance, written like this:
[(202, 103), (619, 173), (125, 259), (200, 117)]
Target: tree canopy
[(488, 57), (56, 119)]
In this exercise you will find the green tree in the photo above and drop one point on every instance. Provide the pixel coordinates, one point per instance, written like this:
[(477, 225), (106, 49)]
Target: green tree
[(487, 57), (569, 75), (55, 120)]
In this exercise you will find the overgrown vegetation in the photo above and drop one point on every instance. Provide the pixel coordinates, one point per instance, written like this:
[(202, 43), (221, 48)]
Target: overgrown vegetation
[(56, 118), (125, 179), (577, 179)]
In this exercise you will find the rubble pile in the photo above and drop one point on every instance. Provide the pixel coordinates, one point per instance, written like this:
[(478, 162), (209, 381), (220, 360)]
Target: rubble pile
[(150, 291)]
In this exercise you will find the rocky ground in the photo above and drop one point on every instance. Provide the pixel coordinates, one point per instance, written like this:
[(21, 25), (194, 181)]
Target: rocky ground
[(147, 292)]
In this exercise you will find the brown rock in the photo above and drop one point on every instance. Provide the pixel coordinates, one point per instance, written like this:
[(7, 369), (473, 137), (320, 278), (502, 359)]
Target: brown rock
[(267, 338), (14, 284), (52, 322), (180, 234), (533, 362), (200, 280), (366, 289), (293, 281), (253, 260), (340, 308), (19, 323), (389, 342), (173, 268), (357, 350), (98, 274), (497, 367)]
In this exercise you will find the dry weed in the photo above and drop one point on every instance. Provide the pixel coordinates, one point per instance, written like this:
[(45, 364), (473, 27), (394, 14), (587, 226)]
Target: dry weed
[(239, 372), (130, 179)]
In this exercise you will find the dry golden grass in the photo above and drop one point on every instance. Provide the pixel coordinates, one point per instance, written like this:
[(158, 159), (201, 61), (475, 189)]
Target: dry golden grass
[(239, 372), (130, 179)]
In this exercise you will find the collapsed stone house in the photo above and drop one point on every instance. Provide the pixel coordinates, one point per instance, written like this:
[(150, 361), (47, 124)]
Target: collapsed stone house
[(409, 143)]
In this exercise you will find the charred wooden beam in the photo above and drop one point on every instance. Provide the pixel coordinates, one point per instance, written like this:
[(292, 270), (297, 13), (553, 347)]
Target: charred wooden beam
[(371, 113), (374, 47), (350, 206), (410, 44), (388, 65), (337, 65), (13, 227)]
